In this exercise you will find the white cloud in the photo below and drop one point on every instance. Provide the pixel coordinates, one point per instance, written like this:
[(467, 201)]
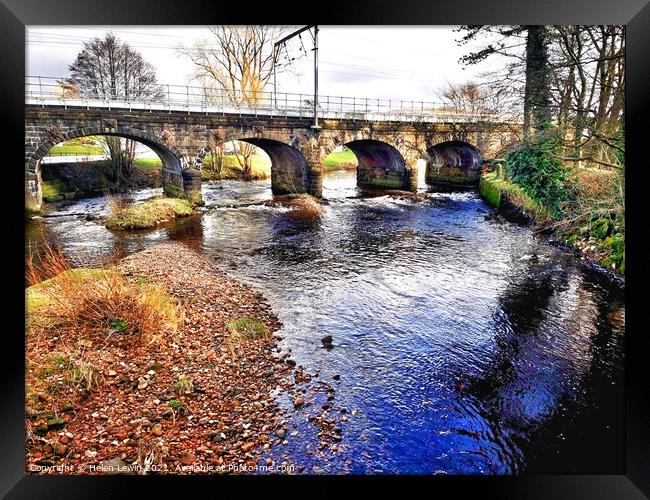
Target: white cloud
[(408, 63)]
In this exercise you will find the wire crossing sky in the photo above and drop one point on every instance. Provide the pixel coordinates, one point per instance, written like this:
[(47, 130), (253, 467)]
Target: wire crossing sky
[(409, 63)]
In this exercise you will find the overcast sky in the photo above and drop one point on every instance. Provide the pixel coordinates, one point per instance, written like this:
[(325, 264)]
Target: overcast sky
[(409, 63)]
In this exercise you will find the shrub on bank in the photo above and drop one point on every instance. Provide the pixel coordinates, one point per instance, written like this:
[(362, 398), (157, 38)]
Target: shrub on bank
[(150, 213), (536, 167), (585, 204), (85, 302)]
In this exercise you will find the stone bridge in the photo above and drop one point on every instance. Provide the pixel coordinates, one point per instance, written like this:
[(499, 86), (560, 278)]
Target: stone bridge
[(387, 151)]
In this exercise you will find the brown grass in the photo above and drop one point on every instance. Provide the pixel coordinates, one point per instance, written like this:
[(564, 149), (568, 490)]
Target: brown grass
[(90, 303), (49, 262), (116, 202), (305, 203), (595, 182)]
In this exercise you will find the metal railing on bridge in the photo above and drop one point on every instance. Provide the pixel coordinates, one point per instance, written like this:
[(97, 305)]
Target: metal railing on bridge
[(48, 91)]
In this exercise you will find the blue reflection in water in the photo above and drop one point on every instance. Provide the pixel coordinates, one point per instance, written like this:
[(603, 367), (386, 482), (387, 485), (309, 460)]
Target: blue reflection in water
[(460, 341)]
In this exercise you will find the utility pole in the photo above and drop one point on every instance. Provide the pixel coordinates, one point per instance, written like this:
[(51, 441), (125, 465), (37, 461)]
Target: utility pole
[(315, 77), (275, 83), (276, 47)]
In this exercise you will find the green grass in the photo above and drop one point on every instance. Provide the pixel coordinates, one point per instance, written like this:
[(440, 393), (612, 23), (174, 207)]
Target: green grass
[(76, 149), (147, 163), (53, 190), (248, 327), (340, 160), (150, 213), (31, 212)]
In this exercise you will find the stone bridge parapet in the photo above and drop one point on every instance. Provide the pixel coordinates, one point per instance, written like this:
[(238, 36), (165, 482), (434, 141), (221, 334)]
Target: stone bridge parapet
[(387, 152)]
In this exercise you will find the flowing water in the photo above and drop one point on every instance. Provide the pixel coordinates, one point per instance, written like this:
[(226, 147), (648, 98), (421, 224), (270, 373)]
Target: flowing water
[(464, 344)]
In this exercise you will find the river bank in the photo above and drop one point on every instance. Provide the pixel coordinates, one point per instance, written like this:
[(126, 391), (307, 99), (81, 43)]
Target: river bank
[(599, 250), (405, 378), (191, 401)]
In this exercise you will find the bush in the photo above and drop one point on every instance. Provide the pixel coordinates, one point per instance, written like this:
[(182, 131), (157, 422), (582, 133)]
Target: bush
[(535, 166), (615, 247)]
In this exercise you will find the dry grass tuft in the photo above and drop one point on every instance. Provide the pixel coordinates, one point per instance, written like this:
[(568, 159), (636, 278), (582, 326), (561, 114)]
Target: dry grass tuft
[(116, 202), (91, 303), (46, 264)]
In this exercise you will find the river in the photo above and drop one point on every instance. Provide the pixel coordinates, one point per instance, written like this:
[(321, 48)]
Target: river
[(464, 344)]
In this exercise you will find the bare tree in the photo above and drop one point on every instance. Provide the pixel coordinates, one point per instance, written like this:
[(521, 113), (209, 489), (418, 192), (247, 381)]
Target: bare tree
[(109, 69), (237, 60), (244, 153), (217, 154), (470, 97), (235, 65), (588, 69)]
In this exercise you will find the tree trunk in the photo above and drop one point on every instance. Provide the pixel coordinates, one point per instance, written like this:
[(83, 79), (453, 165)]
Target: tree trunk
[(537, 113)]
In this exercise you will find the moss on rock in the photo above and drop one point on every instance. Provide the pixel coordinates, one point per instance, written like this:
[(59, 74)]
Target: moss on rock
[(499, 192), (173, 191)]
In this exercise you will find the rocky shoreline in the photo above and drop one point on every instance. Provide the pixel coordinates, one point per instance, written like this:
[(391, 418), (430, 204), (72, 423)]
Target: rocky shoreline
[(139, 421)]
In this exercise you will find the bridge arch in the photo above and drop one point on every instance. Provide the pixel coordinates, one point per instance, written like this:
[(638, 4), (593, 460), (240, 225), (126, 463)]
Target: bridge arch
[(172, 159), (453, 162), (290, 170), (380, 165)]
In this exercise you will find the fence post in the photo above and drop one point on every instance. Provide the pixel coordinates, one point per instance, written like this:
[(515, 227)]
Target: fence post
[(354, 109), (187, 97), (169, 100)]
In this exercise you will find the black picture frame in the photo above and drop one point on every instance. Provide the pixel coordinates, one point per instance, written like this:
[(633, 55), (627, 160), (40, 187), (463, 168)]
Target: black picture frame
[(16, 14)]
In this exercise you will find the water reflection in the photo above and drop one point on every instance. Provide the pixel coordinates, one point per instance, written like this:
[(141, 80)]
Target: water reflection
[(465, 344)]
